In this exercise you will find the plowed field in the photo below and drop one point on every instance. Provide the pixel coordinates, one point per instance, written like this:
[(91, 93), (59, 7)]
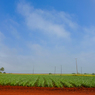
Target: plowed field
[(20, 90)]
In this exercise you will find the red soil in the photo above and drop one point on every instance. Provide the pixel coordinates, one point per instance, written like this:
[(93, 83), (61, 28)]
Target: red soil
[(19, 90)]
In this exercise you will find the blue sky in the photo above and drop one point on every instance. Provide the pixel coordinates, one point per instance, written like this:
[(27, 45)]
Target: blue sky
[(47, 33)]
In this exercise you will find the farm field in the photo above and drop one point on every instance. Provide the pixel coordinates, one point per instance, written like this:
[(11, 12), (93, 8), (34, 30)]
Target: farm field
[(47, 80), (24, 84)]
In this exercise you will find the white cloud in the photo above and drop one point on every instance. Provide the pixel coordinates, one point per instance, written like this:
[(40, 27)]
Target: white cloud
[(48, 22), (88, 41)]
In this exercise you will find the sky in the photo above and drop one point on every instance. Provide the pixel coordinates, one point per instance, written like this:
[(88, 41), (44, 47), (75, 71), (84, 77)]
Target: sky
[(47, 34)]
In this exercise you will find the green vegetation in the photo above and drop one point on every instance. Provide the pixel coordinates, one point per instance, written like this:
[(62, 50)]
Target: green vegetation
[(1, 69), (47, 80)]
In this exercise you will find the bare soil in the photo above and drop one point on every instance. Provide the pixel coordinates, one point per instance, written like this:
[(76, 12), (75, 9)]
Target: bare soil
[(20, 90)]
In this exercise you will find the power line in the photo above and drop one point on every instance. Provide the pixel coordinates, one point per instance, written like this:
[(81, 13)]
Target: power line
[(76, 66), (33, 69), (55, 70), (61, 69), (81, 70)]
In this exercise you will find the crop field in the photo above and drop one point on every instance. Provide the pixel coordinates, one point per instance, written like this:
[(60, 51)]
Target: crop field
[(47, 80)]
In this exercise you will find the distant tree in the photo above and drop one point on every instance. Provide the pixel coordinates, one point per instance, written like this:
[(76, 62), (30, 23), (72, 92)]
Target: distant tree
[(2, 69), (50, 73), (4, 72), (73, 73), (93, 73)]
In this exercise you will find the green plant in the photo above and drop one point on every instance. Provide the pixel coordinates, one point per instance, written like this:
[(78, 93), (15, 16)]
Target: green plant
[(93, 73), (4, 72), (0, 72)]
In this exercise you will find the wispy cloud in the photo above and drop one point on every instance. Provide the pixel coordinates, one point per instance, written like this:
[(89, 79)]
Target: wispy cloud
[(12, 27), (49, 22), (88, 41)]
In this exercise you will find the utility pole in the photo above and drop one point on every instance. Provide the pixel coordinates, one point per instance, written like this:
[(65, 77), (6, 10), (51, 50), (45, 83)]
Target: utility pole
[(81, 70), (33, 69), (55, 70), (61, 69), (76, 66)]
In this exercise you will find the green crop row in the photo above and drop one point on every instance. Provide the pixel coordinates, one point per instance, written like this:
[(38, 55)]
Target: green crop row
[(47, 80)]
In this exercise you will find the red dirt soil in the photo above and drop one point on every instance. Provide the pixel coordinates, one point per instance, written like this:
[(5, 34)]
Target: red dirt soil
[(20, 90)]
